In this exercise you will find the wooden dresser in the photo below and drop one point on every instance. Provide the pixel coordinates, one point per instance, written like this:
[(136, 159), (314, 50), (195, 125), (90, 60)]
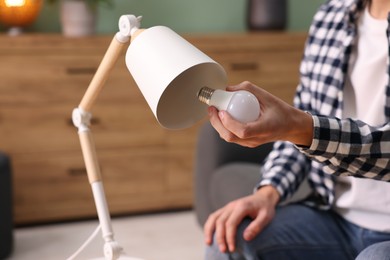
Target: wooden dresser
[(145, 168)]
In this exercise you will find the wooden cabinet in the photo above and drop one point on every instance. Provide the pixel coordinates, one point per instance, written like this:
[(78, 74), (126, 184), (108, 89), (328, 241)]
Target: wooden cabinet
[(269, 60), (145, 167)]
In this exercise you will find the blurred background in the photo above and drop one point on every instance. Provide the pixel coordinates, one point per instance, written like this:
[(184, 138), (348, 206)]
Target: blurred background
[(184, 16)]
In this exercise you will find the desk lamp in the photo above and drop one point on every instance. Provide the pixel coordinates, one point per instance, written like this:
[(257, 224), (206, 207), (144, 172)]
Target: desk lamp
[(169, 72)]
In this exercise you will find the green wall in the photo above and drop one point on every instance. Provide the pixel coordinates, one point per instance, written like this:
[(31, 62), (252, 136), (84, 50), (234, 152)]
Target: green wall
[(187, 16)]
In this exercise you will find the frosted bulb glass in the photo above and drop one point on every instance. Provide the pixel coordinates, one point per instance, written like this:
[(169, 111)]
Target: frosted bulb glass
[(242, 105)]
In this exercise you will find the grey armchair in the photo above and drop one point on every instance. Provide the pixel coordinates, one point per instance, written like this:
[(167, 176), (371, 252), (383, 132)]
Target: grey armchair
[(223, 171), (226, 171)]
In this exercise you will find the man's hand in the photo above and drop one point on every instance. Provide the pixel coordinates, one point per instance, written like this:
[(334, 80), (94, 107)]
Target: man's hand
[(259, 206), (277, 121)]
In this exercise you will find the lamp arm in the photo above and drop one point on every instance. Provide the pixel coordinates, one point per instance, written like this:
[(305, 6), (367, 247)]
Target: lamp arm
[(129, 26), (81, 117), (99, 79)]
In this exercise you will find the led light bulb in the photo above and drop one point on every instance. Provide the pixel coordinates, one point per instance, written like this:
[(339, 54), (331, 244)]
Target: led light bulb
[(242, 105)]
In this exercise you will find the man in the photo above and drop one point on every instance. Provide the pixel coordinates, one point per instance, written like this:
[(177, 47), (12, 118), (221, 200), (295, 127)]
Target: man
[(345, 88)]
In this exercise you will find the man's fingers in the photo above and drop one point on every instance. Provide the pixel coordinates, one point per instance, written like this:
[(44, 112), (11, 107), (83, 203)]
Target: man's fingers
[(254, 228), (215, 120), (209, 227), (231, 228), (220, 232)]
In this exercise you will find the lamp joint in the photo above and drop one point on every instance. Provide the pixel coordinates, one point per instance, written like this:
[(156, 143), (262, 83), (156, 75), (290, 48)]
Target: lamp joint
[(128, 25), (81, 119)]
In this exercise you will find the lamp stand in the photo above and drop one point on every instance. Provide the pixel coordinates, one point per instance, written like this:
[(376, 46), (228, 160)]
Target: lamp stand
[(81, 116)]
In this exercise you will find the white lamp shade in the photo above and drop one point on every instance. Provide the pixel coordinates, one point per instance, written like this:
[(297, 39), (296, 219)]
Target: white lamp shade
[(170, 71)]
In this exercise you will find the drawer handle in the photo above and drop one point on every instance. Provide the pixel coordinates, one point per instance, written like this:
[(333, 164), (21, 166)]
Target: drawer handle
[(81, 71), (245, 66), (94, 121), (77, 172)]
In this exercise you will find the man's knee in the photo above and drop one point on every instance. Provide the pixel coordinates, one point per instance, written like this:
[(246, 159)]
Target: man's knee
[(378, 251), (213, 252)]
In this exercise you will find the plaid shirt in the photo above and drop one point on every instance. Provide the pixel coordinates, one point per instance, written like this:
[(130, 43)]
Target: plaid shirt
[(339, 147)]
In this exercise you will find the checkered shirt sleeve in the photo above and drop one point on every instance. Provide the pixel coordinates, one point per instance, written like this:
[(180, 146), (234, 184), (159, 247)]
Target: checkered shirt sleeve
[(348, 147), (285, 168)]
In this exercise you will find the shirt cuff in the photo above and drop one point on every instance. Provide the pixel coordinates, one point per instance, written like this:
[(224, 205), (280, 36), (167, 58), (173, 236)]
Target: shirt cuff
[(326, 137), (269, 182)]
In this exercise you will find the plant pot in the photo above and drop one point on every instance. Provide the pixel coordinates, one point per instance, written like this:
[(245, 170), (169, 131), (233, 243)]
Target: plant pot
[(267, 14), (78, 19)]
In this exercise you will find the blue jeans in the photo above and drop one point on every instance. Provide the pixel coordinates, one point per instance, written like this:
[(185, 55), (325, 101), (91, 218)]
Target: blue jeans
[(301, 232)]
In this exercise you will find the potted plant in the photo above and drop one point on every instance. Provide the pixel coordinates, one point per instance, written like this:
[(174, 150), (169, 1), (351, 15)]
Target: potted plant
[(78, 17)]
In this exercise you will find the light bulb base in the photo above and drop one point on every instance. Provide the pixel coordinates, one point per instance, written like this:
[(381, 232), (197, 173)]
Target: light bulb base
[(204, 95)]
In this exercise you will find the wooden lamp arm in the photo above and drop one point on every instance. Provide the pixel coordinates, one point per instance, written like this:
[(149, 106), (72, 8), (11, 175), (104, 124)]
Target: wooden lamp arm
[(129, 27), (99, 79)]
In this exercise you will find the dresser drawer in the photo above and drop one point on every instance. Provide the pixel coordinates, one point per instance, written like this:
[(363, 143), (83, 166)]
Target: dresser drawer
[(55, 186), (270, 59), (275, 72), (49, 128), (53, 79)]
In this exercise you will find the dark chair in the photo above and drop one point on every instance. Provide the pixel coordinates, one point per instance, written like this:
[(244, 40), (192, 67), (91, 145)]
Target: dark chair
[(6, 220)]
